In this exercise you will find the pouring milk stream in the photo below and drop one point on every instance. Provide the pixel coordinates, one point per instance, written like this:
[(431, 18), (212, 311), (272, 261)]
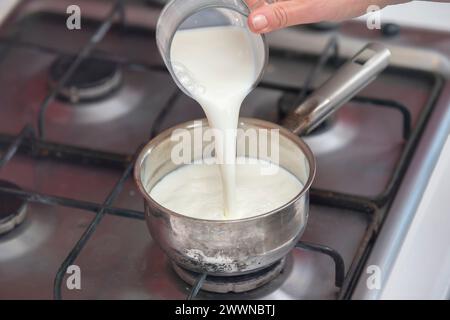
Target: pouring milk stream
[(217, 66)]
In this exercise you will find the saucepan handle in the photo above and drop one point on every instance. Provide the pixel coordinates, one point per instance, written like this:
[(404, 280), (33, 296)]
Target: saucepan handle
[(351, 78)]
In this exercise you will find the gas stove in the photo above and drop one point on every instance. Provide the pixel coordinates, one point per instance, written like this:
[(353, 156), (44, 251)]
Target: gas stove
[(76, 106)]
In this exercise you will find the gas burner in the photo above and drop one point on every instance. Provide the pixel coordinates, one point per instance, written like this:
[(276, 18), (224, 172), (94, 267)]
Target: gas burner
[(12, 209), (236, 284), (93, 80)]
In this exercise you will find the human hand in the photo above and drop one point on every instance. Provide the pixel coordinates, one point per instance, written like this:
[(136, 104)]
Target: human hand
[(266, 17)]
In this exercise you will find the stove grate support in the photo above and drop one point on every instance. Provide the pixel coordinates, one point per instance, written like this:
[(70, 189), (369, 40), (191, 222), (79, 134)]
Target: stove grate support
[(330, 53), (339, 266), (197, 286), (73, 254), (14, 146)]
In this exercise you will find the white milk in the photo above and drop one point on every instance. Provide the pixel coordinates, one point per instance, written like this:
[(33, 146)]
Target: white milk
[(195, 191), (217, 66)]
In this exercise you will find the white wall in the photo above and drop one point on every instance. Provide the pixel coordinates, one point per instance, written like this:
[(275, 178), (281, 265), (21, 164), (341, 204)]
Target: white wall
[(426, 14), (5, 7)]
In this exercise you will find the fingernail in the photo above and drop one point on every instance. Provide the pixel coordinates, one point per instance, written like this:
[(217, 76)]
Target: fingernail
[(260, 22)]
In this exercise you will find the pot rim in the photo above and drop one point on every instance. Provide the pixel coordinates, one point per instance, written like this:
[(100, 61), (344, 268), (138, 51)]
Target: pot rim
[(147, 149)]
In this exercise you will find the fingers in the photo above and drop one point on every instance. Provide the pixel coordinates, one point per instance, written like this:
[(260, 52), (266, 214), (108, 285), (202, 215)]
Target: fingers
[(283, 14), (266, 18), (253, 4)]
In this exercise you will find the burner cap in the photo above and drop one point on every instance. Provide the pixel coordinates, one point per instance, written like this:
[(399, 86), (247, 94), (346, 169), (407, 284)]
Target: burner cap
[(93, 80), (12, 208), (236, 284)]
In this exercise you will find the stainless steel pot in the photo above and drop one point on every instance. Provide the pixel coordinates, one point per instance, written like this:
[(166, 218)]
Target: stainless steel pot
[(236, 247)]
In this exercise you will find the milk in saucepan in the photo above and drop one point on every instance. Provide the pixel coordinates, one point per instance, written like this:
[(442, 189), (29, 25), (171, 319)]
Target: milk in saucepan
[(195, 190)]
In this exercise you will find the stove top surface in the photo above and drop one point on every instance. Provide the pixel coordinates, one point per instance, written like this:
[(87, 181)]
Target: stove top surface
[(72, 154)]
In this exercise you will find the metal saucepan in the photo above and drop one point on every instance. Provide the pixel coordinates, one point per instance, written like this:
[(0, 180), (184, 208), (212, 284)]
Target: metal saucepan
[(235, 247)]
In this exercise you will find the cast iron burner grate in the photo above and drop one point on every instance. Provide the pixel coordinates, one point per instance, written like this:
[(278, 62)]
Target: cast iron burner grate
[(13, 209), (94, 79), (236, 284), (258, 279)]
